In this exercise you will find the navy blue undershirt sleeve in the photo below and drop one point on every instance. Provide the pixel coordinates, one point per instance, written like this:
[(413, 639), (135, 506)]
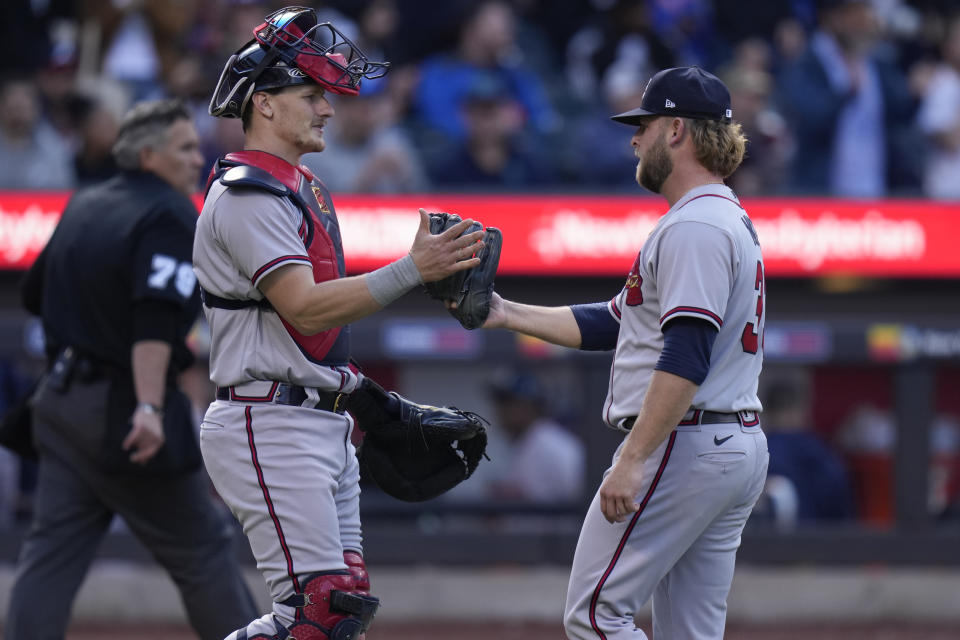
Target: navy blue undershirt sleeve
[(687, 345), (598, 328)]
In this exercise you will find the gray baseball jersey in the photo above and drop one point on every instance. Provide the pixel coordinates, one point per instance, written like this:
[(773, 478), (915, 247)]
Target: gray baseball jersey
[(702, 260), (243, 235)]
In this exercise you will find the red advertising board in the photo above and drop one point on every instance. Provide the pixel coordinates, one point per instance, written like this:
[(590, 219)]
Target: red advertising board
[(599, 235)]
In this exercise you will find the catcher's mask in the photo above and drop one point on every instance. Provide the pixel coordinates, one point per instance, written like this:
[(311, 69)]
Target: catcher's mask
[(291, 48)]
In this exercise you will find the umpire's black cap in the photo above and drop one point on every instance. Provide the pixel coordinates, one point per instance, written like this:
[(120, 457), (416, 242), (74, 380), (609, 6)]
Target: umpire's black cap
[(687, 92)]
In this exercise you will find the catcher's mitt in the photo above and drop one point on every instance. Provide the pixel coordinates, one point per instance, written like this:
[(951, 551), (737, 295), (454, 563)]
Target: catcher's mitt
[(470, 289), (414, 452)]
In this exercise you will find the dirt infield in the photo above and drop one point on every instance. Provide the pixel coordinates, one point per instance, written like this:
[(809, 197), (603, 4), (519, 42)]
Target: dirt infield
[(516, 631)]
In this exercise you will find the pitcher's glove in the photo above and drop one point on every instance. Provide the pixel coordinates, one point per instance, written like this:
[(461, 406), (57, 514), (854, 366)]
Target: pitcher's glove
[(414, 452), (470, 289)]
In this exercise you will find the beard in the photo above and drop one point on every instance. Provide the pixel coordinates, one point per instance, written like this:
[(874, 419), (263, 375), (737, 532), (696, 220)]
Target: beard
[(303, 138), (311, 142), (655, 166)]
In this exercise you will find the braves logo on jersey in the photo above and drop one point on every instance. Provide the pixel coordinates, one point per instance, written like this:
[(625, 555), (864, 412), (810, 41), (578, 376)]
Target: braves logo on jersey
[(634, 295), (318, 194)]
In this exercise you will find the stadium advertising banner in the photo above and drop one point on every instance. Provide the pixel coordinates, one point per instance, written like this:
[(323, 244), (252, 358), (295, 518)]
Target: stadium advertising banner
[(554, 235)]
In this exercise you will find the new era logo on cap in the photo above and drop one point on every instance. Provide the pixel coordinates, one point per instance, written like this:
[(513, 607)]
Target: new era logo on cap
[(693, 93)]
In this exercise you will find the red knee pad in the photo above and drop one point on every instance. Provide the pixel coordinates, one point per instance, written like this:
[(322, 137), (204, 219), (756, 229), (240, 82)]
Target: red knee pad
[(358, 569), (331, 609)]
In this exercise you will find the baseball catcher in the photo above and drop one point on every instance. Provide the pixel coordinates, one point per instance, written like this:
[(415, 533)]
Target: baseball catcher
[(414, 452), (472, 289)]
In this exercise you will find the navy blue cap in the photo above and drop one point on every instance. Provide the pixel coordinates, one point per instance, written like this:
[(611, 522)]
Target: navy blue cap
[(686, 92)]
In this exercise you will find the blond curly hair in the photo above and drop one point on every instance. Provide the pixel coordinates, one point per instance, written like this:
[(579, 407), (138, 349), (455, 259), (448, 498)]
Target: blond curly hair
[(718, 146)]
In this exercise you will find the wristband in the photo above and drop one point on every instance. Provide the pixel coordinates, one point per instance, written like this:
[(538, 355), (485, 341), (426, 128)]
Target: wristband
[(388, 283), (147, 407)]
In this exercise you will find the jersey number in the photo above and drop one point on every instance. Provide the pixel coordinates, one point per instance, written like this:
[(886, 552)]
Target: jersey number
[(164, 268), (751, 338)]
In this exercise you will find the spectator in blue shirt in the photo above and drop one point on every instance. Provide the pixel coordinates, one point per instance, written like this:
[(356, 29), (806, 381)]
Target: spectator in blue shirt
[(495, 152), (487, 46)]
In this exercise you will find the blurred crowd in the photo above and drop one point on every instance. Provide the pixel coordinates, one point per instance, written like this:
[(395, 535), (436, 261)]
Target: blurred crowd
[(851, 98), (846, 471)]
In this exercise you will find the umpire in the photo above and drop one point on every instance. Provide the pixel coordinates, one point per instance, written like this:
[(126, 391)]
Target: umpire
[(117, 293)]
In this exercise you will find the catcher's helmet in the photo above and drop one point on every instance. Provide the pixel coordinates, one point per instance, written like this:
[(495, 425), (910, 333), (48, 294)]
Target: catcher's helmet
[(291, 48)]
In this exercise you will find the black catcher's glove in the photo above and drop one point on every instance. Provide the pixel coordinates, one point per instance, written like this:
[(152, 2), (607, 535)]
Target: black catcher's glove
[(414, 452), (470, 289)]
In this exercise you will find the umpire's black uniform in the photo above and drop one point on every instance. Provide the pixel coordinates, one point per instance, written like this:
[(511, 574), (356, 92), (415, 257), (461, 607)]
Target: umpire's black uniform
[(118, 268)]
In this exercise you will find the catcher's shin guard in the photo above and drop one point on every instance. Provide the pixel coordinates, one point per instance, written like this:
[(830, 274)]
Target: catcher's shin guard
[(331, 608)]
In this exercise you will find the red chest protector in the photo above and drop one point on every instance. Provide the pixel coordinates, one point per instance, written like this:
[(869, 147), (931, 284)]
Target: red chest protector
[(320, 232)]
